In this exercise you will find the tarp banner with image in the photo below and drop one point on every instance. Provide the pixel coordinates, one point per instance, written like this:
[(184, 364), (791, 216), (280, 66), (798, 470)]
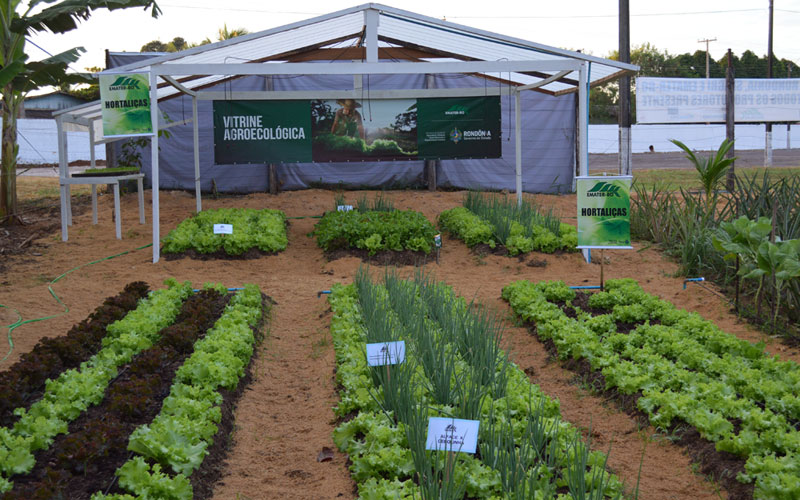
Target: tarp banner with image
[(342, 130), (125, 101), (604, 208)]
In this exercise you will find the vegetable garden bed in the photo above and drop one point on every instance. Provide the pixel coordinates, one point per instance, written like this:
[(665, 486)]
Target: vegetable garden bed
[(253, 233), (507, 228), (376, 233), (148, 414), (453, 367), (739, 404)]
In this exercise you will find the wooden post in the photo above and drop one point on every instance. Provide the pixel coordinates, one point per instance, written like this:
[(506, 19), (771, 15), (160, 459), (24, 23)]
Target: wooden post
[(602, 265), (273, 179), (430, 165), (730, 122)]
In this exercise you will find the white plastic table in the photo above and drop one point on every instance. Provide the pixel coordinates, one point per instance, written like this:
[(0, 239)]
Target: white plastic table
[(66, 199)]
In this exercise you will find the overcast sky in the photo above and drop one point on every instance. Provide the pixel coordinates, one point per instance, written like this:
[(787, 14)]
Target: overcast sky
[(589, 25)]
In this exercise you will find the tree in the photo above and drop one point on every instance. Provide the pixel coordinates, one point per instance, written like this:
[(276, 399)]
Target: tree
[(176, 45), (19, 76)]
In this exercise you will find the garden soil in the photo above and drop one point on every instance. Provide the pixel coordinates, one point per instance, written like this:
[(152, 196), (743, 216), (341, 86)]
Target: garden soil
[(284, 419)]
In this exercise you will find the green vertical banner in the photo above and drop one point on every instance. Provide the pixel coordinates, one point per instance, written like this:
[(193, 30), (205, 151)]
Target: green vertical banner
[(125, 101), (604, 207), (262, 131), (459, 127)]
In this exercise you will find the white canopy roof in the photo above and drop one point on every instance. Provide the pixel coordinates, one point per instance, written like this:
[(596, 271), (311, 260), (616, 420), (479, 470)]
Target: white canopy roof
[(401, 36)]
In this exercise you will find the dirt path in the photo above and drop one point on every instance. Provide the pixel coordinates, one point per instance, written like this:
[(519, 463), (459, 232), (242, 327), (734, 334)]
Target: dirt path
[(286, 417)]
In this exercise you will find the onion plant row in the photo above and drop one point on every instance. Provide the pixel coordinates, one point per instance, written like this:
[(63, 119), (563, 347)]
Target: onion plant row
[(681, 368), (495, 220), (455, 368)]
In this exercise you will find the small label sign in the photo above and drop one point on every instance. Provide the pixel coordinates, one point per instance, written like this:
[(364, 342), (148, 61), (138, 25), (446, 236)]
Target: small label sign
[(386, 353), (344, 208), (223, 228), (437, 241), (452, 434)]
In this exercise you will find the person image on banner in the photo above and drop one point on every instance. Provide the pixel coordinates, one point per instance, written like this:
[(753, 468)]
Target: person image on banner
[(347, 121)]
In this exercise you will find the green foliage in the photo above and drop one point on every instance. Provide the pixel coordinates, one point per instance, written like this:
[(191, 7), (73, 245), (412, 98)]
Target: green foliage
[(262, 229), (375, 231), (467, 226), (178, 437), (685, 368), (69, 395), (711, 169), (453, 367), (520, 228)]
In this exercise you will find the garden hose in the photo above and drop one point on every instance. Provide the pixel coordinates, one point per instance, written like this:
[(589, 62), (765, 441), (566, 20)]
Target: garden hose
[(19, 322)]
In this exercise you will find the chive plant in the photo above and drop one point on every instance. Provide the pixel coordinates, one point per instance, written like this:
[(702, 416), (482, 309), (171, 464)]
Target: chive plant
[(501, 213)]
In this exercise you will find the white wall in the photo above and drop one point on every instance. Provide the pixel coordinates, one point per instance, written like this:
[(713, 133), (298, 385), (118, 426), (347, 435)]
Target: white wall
[(38, 143), (603, 138)]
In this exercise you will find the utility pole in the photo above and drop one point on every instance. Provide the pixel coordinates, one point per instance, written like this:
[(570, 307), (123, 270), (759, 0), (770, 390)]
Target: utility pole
[(707, 41), (768, 135), (730, 122), (625, 156)]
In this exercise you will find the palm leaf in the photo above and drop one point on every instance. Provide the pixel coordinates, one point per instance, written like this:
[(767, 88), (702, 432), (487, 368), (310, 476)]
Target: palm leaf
[(64, 16)]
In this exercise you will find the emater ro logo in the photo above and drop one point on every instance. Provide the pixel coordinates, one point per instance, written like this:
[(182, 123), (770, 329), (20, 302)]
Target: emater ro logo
[(124, 83), (456, 135), (604, 189)]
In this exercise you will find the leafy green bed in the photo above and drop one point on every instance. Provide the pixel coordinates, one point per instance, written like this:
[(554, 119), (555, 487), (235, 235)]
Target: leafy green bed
[(494, 220), (375, 231), (264, 230), (168, 449), (685, 368), (453, 368)]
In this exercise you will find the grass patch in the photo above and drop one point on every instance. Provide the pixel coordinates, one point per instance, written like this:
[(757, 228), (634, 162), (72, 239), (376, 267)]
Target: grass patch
[(674, 179)]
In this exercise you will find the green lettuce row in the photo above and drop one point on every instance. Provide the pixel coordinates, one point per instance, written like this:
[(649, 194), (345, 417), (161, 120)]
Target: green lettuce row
[(262, 229), (637, 362), (375, 231), (383, 455), (178, 437), (66, 397), (474, 229), (465, 225)]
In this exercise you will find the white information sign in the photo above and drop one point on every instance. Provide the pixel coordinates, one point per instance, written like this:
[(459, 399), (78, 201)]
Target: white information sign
[(386, 353), (223, 228), (452, 434), (344, 208), (700, 100)]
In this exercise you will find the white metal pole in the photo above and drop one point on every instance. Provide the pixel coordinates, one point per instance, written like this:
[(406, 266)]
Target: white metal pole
[(62, 174), (583, 121), (92, 161), (583, 130), (518, 140), (154, 165), (196, 138)]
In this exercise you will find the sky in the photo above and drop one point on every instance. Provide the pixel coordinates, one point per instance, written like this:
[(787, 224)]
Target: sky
[(588, 25)]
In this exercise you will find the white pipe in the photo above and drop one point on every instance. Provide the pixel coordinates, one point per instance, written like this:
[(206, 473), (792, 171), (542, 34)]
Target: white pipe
[(154, 163), (518, 145), (196, 139)]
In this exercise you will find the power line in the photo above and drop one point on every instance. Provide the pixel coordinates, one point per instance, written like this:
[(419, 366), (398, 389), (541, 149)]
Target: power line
[(657, 14)]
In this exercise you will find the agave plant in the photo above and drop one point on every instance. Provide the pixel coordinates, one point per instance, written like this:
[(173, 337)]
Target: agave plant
[(711, 169)]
